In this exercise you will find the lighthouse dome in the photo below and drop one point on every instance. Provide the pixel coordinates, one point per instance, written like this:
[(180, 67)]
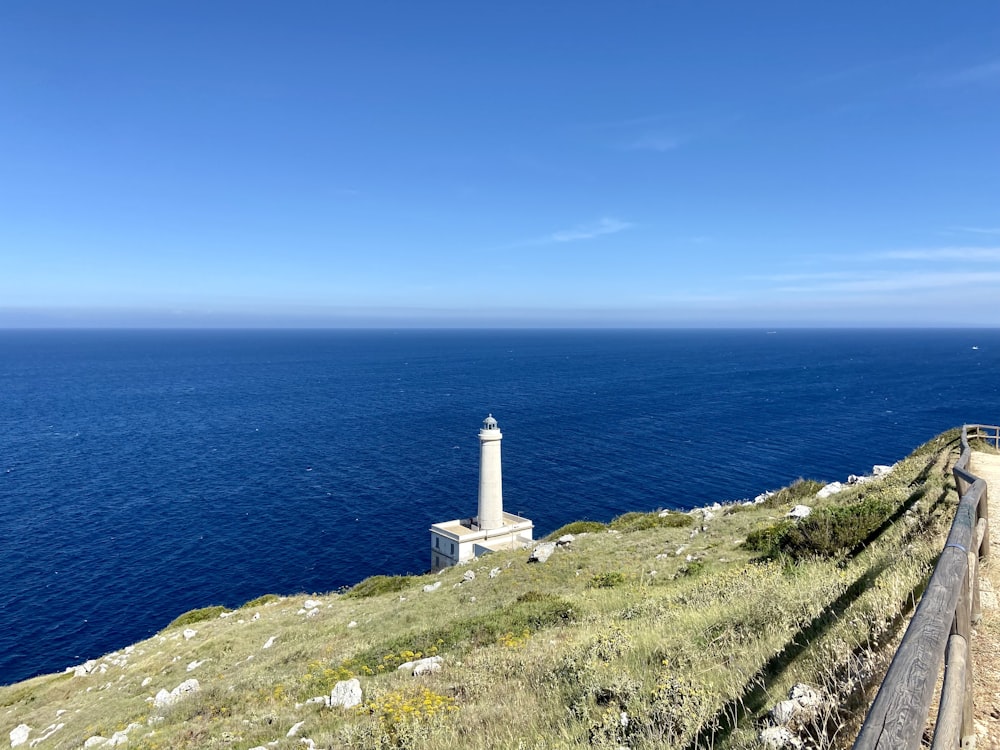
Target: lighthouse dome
[(489, 423)]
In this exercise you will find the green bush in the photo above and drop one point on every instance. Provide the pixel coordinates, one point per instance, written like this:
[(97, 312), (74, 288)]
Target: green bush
[(641, 521), (376, 585), (767, 540), (606, 580), (832, 531), (793, 494), (197, 615), (260, 600), (577, 527), (826, 532)]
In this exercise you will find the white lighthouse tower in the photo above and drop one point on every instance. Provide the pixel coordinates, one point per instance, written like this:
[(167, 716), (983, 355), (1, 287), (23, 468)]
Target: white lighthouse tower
[(463, 539), (490, 480)]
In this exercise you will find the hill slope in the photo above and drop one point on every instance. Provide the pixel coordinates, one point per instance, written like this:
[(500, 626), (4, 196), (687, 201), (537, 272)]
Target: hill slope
[(661, 630)]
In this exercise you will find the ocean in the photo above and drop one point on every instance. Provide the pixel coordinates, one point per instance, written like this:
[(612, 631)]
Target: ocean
[(145, 473)]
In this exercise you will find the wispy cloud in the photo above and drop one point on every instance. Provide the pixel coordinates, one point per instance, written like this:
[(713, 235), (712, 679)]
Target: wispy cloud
[(653, 142), (977, 230), (974, 254), (606, 225), (896, 282), (985, 73)]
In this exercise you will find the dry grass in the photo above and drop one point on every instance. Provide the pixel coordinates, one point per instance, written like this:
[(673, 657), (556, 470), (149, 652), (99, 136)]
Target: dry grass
[(691, 652)]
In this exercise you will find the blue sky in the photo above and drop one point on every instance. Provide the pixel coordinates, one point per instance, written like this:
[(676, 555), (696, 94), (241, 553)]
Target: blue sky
[(504, 164)]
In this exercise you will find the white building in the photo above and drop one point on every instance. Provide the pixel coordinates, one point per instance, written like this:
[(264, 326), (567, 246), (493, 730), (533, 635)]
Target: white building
[(492, 529)]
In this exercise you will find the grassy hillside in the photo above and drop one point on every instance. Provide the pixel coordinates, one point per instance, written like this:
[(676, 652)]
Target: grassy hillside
[(679, 630)]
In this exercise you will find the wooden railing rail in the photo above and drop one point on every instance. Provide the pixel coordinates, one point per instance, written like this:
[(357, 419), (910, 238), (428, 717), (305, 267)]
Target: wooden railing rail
[(939, 631)]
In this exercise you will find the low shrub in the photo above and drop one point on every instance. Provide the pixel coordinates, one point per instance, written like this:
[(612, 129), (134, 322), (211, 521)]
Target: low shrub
[(793, 494), (260, 601), (197, 615), (831, 531), (767, 540), (376, 585), (641, 521), (606, 580), (576, 527), (827, 532)]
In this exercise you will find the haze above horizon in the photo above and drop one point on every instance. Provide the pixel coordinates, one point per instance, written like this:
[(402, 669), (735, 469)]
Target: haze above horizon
[(519, 164)]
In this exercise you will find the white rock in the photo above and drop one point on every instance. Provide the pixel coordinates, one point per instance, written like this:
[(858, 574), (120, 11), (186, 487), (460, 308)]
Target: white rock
[(799, 511), (194, 665), (780, 738), (270, 641), (95, 741), (50, 730), (432, 587), (86, 668), (494, 572), (469, 575), (880, 470), (189, 634), (662, 556), (19, 735), (146, 682), (311, 604), (312, 612), (783, 712), (295, 729), (831, 489), (421, 666), (256, 616), (324, 699), (805, 695), (163, 698), (117, 740), (542, 552), (310, 745), (708, 515), (345, 694), (565, 539), (680, 551), (352, 624)]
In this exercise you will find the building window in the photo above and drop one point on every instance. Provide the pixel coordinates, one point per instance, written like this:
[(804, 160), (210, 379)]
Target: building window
[(452, 549), (437, 561), (437, 541)]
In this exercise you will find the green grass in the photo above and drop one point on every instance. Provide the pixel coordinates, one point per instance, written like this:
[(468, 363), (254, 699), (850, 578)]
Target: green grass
[(694, 651), (629, 522), (377, 585), (197, 615), (577, 527)]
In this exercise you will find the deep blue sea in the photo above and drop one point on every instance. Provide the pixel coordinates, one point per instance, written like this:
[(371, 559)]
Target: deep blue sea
[(145, 473)]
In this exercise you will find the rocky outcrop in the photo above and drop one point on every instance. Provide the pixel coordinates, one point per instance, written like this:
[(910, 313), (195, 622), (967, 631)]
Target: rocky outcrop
[(419, 667), (346, 694), (542, 552), (164, 699)]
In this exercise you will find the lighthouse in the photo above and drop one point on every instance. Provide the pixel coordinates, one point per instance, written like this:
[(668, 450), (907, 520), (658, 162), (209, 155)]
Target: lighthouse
[(490, 479), (492, 529)]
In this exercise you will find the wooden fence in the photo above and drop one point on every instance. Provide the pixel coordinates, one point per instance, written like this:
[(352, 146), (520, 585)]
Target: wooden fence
[(939, 631)]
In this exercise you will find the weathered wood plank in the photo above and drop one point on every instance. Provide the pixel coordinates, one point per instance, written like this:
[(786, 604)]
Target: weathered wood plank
[(948, 730)]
